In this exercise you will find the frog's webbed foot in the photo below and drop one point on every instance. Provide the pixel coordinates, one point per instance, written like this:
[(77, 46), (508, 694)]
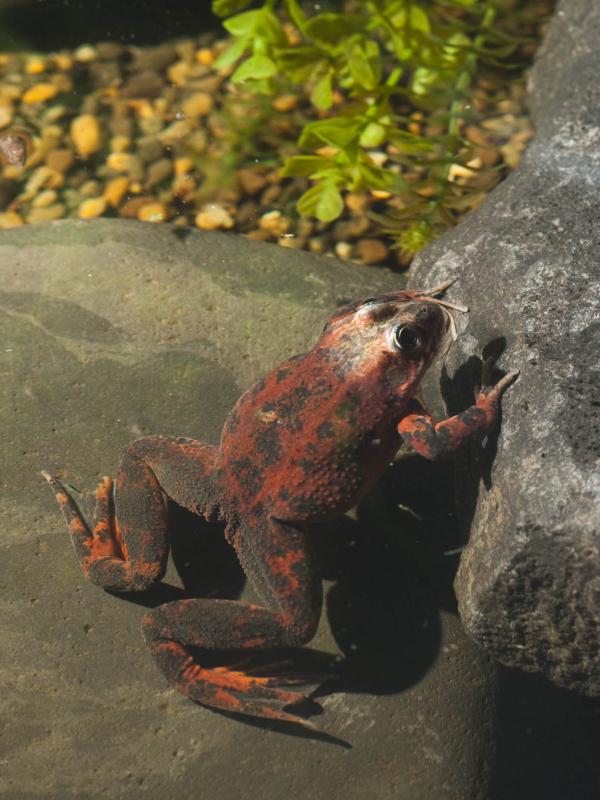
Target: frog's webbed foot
[(100, 548), (277, 559), (126, 547), (489, 391), (226, 687)]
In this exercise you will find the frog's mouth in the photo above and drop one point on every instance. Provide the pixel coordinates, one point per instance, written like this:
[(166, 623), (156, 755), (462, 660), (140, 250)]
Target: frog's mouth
[(450, 309)]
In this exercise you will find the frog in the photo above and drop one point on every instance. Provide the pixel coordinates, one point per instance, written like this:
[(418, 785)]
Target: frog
[(303, 445)]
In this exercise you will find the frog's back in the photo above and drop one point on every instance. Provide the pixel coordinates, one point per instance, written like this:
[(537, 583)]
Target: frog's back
[(304, 441)]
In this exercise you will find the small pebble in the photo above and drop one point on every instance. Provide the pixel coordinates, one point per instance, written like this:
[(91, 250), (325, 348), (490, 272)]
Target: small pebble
[(152, 212), (115, 190), (44, 199), (85, 133), (92, 207), (198, 104), (62, 61), (316, 245), (258, 235), (371, 251), (120, 143), (178, 73), (252, 180), (85, 53), (39, 93), (10, 219), (147, 83), (184, 186), (109, 51), (35, 65), (131, 207), (352, 228), (175, 132), (60, 160), (48, 214), (285, 102), (183, 166), (149, 149), (205, 56), (91, 188), (42, 178), (274, 223), (212, 217), (127, 163), (343, 250), (158, 171), (6, 115), (380, 194)]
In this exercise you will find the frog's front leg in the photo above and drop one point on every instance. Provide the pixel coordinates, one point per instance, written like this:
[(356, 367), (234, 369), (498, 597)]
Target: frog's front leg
[(277, 558), (438, 440), (126, 549)]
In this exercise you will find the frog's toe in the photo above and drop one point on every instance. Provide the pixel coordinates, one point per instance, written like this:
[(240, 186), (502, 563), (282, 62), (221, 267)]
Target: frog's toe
[(243, 693)]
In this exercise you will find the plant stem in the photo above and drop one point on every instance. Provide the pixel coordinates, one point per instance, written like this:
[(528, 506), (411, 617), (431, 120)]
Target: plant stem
[(461, 85)]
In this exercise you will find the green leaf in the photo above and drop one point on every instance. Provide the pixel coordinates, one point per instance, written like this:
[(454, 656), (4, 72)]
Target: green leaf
[(323, 200), (237, 49), (258, 22), (331, 29), (373, 135), (412, 18), (321, 95), (300, 63), (223, 8), (255, 68), (297, 166), (364, 63), (423, 79), (243, 24), (410, 143), (336, 131), (377, 178)]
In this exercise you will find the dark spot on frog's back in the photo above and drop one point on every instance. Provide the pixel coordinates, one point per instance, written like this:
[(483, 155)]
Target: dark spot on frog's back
[(248, 474), (268, 446), (258, 387), (325, 430)]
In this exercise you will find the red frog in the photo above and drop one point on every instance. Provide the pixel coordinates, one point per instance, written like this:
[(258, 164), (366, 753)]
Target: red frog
[(304, 444)]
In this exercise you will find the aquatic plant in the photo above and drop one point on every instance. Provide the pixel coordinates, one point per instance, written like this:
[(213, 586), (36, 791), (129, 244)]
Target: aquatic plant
[(380, 74)]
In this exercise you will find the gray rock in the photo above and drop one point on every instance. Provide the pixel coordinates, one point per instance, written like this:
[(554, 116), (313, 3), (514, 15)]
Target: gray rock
[(113, 329), (529, 579)]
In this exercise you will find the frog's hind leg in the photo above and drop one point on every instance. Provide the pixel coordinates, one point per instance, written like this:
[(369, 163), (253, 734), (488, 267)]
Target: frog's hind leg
[(277, 558), (126, 548)]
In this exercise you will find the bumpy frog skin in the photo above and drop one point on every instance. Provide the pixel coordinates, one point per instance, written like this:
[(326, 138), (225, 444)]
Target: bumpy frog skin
[(304, 444)]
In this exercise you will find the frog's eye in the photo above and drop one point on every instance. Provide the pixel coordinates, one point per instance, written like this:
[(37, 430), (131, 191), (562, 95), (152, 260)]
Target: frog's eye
[(406, 338), (370, 301)]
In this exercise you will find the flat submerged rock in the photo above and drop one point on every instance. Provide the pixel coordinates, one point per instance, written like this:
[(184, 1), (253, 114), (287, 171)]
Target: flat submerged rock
[(115, 329)]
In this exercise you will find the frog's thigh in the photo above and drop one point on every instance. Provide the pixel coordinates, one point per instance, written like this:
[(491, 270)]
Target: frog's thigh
[(182, 467), (278, 559), (281, 568), (150, 466)]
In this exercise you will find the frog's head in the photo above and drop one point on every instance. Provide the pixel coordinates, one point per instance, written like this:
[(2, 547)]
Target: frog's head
[(398, 334)]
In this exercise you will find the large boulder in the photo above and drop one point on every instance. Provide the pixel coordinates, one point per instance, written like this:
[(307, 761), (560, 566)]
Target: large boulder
[(529, 579), (113, 329)]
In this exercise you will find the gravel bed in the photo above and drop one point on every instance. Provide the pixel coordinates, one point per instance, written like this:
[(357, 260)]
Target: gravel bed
[(157, 134)]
